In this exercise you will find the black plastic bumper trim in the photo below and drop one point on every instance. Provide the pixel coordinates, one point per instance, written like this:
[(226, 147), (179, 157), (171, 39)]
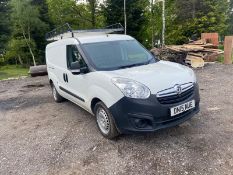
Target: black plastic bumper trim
[(151, 110)]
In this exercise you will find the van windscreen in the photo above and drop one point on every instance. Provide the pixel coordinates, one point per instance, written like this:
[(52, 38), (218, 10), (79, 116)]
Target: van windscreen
[(117, 54)]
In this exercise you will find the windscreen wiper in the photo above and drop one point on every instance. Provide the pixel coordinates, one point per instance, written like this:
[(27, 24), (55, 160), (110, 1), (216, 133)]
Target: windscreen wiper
[(131, 65)]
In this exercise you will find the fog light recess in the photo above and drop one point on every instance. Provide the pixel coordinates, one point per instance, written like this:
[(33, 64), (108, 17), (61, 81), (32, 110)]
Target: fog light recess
[(142, 123)]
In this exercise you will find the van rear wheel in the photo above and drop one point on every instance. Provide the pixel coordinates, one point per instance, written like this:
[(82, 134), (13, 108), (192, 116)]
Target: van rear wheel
[(105, 121), (57, 97)]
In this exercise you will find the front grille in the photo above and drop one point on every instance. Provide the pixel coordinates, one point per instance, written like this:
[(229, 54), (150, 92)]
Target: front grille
[(176, 98)]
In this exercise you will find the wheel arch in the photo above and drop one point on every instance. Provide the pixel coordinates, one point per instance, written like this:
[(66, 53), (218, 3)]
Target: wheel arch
[(50, 82), (94, 101)]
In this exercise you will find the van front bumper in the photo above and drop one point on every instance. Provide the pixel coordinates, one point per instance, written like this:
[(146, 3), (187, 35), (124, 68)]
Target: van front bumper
[(137, 115)]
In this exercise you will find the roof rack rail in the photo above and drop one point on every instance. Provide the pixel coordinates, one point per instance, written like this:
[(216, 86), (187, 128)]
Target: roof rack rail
[(65, 31)]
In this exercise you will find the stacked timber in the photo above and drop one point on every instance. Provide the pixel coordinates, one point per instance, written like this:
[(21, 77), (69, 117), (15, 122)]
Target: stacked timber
[(194, 54)]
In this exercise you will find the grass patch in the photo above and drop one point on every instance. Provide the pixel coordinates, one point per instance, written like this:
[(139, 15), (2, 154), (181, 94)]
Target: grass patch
[(221, 58), (12, 71), (221, 47)]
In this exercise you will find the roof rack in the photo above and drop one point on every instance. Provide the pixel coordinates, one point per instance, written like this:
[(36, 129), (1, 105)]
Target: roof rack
[(65, 31)]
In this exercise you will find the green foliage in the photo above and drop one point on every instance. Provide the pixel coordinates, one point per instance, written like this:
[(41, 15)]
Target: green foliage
[(186, 20), (230, 19), (17, 52), (170, 35), (12, 71), (221, 47), (39, 35), (79, 16), (25, 21), (220, 59), (4, 24), (136, 15), (25, 16)]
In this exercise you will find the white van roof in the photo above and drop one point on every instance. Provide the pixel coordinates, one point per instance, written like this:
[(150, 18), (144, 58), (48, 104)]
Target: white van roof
[(90, 39), (103, 38)]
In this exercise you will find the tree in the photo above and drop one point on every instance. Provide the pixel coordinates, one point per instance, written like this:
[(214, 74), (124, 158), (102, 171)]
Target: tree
[(193, 17), (93, 4), (230, 20), (157, 21), (39, 35), (4, 24), (136, 15), (25, 20), (17, 51), (79, 16)]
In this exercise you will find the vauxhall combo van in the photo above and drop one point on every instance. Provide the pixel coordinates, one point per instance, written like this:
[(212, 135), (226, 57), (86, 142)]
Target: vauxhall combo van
[(114, 78)]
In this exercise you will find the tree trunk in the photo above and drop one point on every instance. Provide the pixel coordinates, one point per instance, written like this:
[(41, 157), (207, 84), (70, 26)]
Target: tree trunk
[(194, 9), (33, 57), (20, 60), (92, 4), (164, 24), (30, 49)]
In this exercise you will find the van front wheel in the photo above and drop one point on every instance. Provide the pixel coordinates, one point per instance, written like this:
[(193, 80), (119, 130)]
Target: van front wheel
[(57, 97), (105, 121)]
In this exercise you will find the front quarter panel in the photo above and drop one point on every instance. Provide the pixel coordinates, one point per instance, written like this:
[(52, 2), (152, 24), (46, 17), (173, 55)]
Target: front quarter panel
[(101, 87)]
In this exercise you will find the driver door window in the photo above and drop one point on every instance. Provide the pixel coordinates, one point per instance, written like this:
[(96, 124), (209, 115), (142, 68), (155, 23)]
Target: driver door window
[(73, 56)]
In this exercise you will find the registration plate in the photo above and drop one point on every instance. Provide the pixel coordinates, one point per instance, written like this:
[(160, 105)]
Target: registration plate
[(182, 108)]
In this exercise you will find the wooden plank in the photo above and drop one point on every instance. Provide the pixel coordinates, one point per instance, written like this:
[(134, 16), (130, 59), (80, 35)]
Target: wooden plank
[(193, 47), (195, 62), (214, 51), (196, 54), (198, 42), (228, 45)]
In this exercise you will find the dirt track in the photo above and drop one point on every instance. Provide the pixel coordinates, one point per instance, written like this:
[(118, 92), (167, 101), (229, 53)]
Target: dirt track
[(38, 136)]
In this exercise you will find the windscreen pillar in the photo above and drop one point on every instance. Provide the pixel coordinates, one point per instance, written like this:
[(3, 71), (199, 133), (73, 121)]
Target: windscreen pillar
[(228, 50)]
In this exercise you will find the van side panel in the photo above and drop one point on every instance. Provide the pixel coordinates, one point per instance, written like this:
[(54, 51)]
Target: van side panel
[(56, 63)]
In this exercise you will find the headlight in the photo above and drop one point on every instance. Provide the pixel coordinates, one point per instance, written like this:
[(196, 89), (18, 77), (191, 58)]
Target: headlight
[(131, 88)]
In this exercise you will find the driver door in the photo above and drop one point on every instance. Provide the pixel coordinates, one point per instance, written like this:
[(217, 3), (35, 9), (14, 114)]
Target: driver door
[(76, 82)]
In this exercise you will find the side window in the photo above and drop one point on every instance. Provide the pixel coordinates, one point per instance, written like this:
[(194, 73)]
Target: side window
[(73, 56)]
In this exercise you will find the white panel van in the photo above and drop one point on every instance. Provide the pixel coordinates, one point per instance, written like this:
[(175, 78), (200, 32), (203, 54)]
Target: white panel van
[(126, 88)]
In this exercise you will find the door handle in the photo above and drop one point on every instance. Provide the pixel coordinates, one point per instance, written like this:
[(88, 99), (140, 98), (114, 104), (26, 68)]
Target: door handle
[(65, 78)]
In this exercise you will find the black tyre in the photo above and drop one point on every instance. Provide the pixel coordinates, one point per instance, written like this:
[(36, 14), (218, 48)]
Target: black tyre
[(57, 97), (105, 121)]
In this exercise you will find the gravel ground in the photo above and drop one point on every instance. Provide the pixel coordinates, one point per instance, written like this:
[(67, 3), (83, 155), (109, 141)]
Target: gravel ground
[(38, 136)]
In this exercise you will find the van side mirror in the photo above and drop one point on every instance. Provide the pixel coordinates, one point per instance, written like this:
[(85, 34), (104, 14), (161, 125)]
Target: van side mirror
[(84, 70), (76, 68)]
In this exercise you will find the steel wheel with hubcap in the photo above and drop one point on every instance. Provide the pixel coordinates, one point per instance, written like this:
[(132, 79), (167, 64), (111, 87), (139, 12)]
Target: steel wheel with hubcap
[(57, 97), (54, 93), (105, 121)]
